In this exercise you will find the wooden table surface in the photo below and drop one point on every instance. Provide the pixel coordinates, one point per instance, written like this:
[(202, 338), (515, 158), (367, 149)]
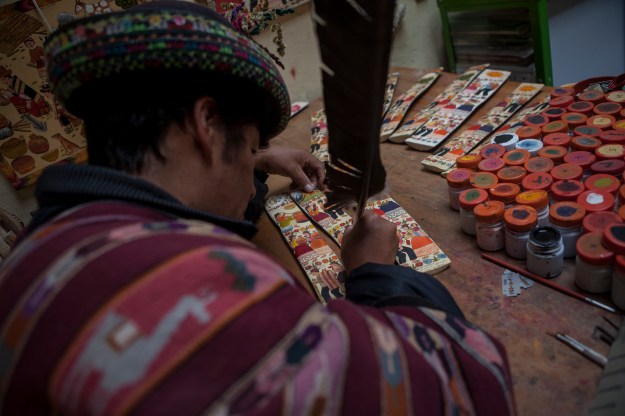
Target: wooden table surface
[(548, 376)]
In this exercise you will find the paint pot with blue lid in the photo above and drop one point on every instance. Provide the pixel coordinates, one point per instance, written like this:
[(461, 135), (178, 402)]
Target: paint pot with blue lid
[(545, 252), (531, 145), (507, 140)]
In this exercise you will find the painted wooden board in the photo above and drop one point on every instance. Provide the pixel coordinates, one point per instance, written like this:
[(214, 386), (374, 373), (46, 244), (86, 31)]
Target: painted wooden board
[(511, 126), (438, 128), (409, 126), (332, 221), (319, 136), (391, 84), (402, 104), (318, 261), (446, 156)]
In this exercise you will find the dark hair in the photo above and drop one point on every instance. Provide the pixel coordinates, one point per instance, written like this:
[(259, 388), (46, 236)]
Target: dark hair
[(121, 131)]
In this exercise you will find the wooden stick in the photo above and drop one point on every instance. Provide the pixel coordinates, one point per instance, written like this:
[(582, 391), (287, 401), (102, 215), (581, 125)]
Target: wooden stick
[(546, 282)]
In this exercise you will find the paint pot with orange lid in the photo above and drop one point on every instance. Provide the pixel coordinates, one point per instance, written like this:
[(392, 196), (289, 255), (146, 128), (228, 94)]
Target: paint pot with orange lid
[(457, 181), (612, 137), (562, 102), (537, 120), (553, 113), (469, 199), (505, 192), (529, 132), (566, 171), (595, 222), (583, 107), (555, 126), (602, 182), (519, 221), (616, 96), (489, 227), (537, 180), (539, 200), (538, 164), (545, 252), (601, 121), (557, 139), (587, 130), (566, 190), (581, 158), (507, 140), (594, 264), (567, 217), (610, 151), (492, 165), (574, 120), (619, 125), (555, 153), (621, 212), (593, 96), (593, 201), (617, 295), (586, 143), (608, 108), (614, 238), (492, 150), (511, 174), (560, 91), (620, 195), (469, 161), (483, 180), (516, 157), (614, 167)]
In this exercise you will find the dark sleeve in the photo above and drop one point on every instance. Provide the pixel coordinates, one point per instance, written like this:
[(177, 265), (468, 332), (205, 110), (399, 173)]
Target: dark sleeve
[(257, 204), (389, 285)]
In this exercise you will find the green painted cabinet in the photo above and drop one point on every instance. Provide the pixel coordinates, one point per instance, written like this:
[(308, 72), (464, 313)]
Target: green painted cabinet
[(511, 35)]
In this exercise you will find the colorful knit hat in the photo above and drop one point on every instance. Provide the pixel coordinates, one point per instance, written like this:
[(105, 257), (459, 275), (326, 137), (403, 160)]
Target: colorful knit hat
[(172, 42)]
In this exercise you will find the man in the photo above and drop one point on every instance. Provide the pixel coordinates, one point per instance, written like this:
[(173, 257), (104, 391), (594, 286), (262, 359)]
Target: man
[(133, 290)]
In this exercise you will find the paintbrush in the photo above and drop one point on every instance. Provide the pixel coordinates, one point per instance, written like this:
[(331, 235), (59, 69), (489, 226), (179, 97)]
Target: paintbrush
[(584, 350)]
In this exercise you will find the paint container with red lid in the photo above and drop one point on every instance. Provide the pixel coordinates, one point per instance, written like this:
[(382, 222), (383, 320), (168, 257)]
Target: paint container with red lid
[(529, 132), (492, 150), (467, 200), (616, 96), (614, 238), (560, 91), (562, 101), (519, 221), (610, 151), (492, 165), (505, 192), (566, 190), (583, 107), (574, 120), (593, 264), (555, 153), (470, 161), (586, 143), (613, 167), (539, 164), (602, 182), (531, 145), (608, 108), (507, 140), (555, 126), (539, 200), (457, 181), (537, 180), (483, 180), (582, 158), (595, 222), (601, 122), (566, 217), (554, 113), (619, 125), (511, 174), (516, 157), (557, 139), (489, 225), (593, 96), (587, 130), (617, 294), (612, 137), (595, 200)]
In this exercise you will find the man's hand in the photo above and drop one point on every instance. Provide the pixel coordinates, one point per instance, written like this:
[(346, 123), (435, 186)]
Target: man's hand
[(299, 165), (371, 240)]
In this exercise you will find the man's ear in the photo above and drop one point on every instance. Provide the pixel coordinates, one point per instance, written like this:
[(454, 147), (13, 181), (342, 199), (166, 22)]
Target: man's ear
[(207, 125)]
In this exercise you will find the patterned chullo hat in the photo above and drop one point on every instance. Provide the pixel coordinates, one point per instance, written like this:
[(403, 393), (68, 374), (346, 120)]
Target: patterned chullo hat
[(162, 45)]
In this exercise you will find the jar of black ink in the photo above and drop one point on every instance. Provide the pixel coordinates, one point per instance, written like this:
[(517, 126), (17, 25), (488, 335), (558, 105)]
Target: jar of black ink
[(545, 252)]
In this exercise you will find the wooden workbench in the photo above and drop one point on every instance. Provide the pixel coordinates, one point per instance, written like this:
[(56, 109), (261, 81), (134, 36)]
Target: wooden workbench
[(549, 378)]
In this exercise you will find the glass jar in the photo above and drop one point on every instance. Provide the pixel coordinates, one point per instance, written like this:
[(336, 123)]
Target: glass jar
[(567, 217), (593, 264), (545, 252), (507, 140), (595, 200), (457, 181), (505, 192), (467, 200), (595, 222), (489, 228), (618, 282), (519, 221), (539, 200)]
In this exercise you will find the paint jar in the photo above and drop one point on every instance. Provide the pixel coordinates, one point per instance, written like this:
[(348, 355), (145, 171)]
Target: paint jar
[(613, 167), (618, 282), (583, 107), (507, 140), (492, 150), (511, 174), (587, 143), (567, 217), (555, 153), (529, 132), (618, 125), (467, 200), (593, 96), (596, 222), (610, 151), (531, 145), (519, 221), (516, 157), (489, 228), (620, 195), (483, 180), (587, 130), (538, 164), (553, 113), (593, 201), (621, 212), (582, 158), (457, 181), (614, 238), (469, 161), (539, 200), (561, 91), (537, 180), (574, 119), (608, 108), (566, 171), (612, 137), (505, 192), (555, 126), (557, 139), (616, 96), (601, 122), (602, 182), (491, 164), (537, 120), (562, 101), (566, 190), (594, 264), (545, 252)]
